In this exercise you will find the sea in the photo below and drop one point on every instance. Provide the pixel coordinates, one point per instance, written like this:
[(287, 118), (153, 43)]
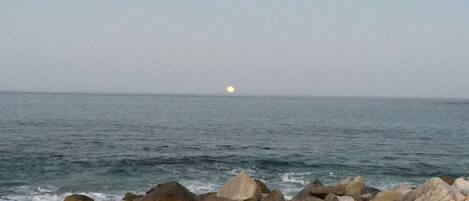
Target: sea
[(55, 144)]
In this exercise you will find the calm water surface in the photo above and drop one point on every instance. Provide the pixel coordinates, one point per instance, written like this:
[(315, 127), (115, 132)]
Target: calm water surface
[(106, 145)]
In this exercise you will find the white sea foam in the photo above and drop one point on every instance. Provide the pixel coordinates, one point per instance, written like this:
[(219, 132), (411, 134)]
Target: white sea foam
[(199, 187), (289, 183), (291, 177), (50, 193), (60, 197)]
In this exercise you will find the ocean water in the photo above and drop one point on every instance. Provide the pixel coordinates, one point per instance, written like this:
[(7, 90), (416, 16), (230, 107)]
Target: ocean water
[(52, 145)]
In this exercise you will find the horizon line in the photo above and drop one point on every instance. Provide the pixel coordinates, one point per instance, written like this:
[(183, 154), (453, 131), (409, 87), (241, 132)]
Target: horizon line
[(126, 93)]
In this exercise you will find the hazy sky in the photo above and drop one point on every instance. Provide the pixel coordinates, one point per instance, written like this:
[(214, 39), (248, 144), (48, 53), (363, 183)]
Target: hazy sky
[(340, 48)]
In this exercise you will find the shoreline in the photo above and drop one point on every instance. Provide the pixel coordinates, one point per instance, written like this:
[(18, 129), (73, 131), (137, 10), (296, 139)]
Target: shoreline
[(347, 189)]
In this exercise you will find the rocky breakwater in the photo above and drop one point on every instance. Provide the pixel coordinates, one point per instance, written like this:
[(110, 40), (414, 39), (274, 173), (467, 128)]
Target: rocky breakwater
[(243, 188)]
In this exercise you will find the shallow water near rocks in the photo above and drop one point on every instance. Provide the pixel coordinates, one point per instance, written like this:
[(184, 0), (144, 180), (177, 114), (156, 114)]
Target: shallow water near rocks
[(105, 145)]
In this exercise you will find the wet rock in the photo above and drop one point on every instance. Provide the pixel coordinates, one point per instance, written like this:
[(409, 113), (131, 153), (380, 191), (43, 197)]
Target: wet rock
[(449, 180), (211, 197), (274, 195), (240, 187), (78, 197), (169, 191), (132, 197), (261, 186)]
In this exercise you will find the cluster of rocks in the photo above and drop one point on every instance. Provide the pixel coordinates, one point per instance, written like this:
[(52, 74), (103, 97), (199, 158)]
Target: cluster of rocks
[(243, 188)]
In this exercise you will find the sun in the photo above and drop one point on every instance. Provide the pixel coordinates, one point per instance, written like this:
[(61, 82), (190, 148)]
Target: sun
[(230, 89)]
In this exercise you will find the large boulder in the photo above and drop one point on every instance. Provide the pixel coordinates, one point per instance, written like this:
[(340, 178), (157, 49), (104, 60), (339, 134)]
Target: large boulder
[(353, 185), (274, 195), (434, 189), (462, 185), (304, 195), (395, 194), (169, 191), (78, 197), (241, 187), (261, 186)]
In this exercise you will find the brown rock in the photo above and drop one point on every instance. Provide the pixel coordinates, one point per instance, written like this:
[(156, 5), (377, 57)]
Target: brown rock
[(449, 180), (304, 195), (132, 197), (169, 191), (331, 197), (211, 197), (241, 187), (78, 197), (275, 195), (323, 191), (261, 186)]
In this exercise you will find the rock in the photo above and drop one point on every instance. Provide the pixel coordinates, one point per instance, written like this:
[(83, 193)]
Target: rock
[(371, 190), (366, 196), (449, 180), (323, 191), (132, 197), (386, 196), (169, 191), (261, 186), (345, 198), (331, 197), (78, 197), (459, 197), (355, 197), (241, 187), (462, 185), (434, 189), (274, 195), (353, 185), (402, 190), (210, 197), (304, 195)]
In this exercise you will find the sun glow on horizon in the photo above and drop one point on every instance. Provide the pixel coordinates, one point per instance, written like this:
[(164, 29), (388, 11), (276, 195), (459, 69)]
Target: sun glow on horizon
[(230, 89)]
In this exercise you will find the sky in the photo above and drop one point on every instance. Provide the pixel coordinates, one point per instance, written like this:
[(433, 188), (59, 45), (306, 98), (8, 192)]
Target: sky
[(316, 48)]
